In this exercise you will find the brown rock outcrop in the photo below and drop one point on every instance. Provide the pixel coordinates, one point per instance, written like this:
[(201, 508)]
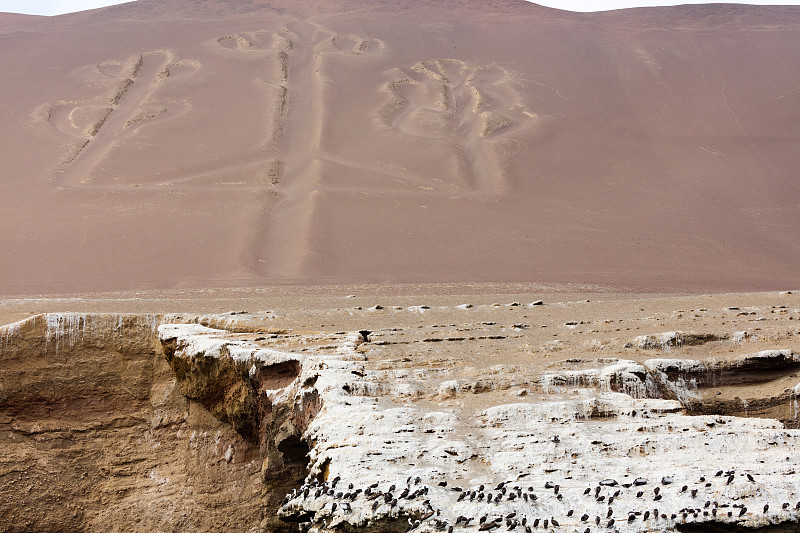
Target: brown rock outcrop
[(100, 433)]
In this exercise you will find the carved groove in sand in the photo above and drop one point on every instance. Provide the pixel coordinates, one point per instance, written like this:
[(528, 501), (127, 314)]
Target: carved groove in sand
[(302, 150), (473, 108), (97, 125)]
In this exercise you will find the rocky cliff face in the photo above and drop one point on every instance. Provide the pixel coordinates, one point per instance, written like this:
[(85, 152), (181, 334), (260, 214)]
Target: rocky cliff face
[(133, 422), (98, 435)]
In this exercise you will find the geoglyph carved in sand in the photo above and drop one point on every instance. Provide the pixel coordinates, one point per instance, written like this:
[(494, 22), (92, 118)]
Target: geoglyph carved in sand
[(95, 126), (475, 108)]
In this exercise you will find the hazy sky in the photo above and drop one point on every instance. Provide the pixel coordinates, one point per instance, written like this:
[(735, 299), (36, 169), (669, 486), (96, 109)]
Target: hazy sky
[(57, 7)]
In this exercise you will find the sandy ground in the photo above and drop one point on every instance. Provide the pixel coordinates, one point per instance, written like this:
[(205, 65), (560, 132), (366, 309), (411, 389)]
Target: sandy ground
[(160, 145), (483, 323)]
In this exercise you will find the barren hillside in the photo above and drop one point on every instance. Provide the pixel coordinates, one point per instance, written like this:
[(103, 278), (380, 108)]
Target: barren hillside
[(169, 143)]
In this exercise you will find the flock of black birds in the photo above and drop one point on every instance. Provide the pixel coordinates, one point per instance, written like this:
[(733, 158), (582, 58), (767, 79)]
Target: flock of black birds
[(604, 493)]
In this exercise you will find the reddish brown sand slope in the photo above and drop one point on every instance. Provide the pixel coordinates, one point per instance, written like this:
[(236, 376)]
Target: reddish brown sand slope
[(172, 143)]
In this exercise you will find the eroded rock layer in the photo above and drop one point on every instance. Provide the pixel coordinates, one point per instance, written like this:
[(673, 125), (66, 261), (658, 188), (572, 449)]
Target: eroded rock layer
[(170, 422)]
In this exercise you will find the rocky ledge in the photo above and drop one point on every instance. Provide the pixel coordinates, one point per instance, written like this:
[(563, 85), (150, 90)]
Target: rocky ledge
[(240, 426), (606, 448)]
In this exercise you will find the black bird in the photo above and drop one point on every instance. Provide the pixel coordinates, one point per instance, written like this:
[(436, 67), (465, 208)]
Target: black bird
[(609, 513), (587, 491), (766, 507), (610, 523), (584, 517), (694, 493), (639, 494), (536, 523), (553, 521), (742, 511), (556, 489), (657, 497), (785, 506), (512, 515), (750, 478), (631, 517), (443, 483), (718, 474), (684, 488), (549, 485), (730, 479), (544, 524), (597, 520), (569, 513), (647, 515), (797, 507)]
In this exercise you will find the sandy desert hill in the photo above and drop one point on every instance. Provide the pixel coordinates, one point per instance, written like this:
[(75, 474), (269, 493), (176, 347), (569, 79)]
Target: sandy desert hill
[(169, 143)]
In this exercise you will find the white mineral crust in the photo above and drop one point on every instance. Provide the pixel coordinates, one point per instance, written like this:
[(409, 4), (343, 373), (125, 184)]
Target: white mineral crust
[(390, 427)]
